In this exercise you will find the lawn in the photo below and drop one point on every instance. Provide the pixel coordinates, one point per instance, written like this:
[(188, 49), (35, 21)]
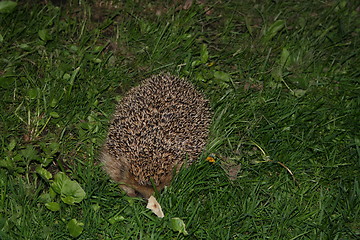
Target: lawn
[(283, 81)]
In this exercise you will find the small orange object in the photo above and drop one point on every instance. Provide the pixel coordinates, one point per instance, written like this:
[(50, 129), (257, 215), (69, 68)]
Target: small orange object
[(210, 159), (210, 64)]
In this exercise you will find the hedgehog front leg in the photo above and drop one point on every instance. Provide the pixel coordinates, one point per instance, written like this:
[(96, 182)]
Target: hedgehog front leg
[(129, 191)]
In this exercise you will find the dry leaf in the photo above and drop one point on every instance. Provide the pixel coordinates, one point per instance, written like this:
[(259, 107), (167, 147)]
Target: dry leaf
[(155, 207), (232, 170), (187, 4)]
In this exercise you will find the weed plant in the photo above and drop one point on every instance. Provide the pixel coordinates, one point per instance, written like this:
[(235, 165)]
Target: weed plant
[(283, 159)]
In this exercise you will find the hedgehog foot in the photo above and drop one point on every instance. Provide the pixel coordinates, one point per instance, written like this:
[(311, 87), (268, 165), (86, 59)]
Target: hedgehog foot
[(129, 191)]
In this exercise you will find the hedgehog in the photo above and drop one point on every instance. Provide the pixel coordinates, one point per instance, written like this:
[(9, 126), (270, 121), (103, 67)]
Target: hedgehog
[(157, 127)]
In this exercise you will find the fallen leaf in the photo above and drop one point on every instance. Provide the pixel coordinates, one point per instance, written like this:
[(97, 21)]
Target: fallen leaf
[(155, 207), (187, 4)]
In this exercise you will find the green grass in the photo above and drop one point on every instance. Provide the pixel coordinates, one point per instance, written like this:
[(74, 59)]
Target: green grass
[(283, 81)]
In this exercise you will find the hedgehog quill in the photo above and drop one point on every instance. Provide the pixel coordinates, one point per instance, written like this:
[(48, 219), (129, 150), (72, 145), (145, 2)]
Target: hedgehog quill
[(156, 128)]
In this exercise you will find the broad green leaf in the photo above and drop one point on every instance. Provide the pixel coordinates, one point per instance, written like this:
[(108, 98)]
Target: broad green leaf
[(3, 224), (199, 77), (343, 4), (59, 180), (53, 206), (75, 228), (116, 219), (204, 54), (357, 141), (7, 6), (53, 102), (277, 74), (248, 25), (6, 81), (177, 224), (7, 163), (73, 75), (54, 146), (275, 84), (96, 60), (12, 144), (52, 193), (54, 114), (32, 93), (299, 92), (196, 63), (95, 207), (223, 76), (45, 198), (66, 76), (44, 35), (302, 22), (49, 149), (74, 48), (44, 173), (284, 58), (25, 47), (29, 153), (72, 190), (45, 161), (274, 29), (98, 49), (68, 199)]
